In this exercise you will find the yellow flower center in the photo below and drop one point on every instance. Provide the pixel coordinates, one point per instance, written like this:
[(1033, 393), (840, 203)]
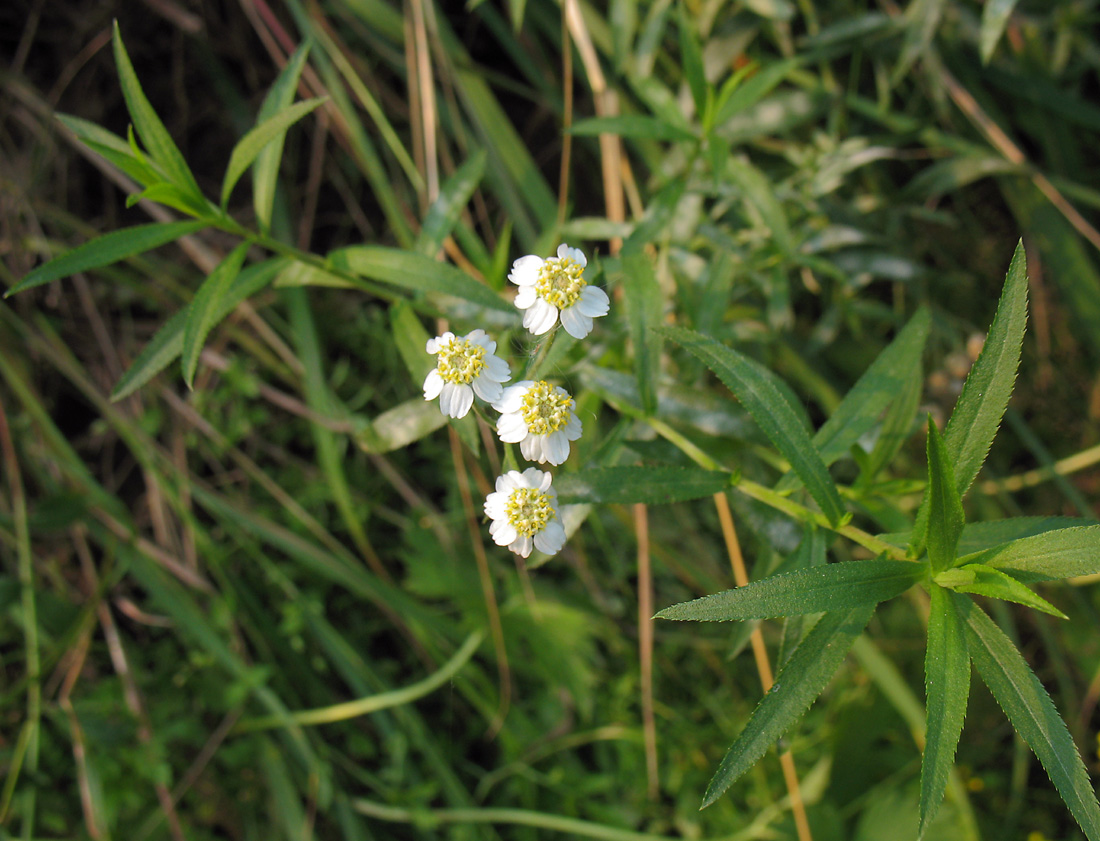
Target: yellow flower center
[(545, 408), (560, 282), (529, 510), (460, 362)]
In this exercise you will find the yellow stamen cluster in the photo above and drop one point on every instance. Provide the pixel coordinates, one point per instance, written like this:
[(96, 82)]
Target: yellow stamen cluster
[(545, 408), (529, 510), (560, 282), (461, 361)]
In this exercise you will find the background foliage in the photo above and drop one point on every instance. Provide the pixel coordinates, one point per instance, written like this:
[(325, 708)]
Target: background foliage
[(183, 569)]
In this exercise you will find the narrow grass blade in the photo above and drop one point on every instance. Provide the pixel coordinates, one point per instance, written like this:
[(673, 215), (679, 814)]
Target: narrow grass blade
[(804, 677), (204, 308), (820, 588), (691, 55), (167, 344), (752, 90), (650, 485), (1032, 713), (759, 193), (945, 518), (643, 311), (754, 387), (444, 213), (635, 126), (265, 172), (249, 147), (986, 581), (415, 272), (947, 686), (153, 134), (995, 14), (1063, 553), (105, 250)]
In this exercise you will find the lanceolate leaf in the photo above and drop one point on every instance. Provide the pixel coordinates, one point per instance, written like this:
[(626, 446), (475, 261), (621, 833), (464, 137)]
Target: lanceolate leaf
[(400, 426), (105, 250), (1032, 713), (444, 213), (643, 311), (753, 386), (415, 272), (978, 412), (250, 146), (804, 677), (651, 485), (995, 15), (821, 588), (986, 581), (692, 57), (945, 518), (1063, 553), (265, 172), (947, 685), (153, 134), (202, 313), (167, 344)]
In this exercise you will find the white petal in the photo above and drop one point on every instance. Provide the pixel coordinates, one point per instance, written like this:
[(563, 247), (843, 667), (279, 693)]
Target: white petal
[(593, 301), (487, 389), (522, 546), (574, 254), (525, 270), (531, 447), (540, 317), (446, 395), (532, 477), (433, 384), (550, 540), (432, 346), (543, 478), (494, 504), (511, 428), (556, 447), (573, 428), (461, 402), (496, 369), (509, 482), (525, 297), (481, 339), (512, 398), (505, 534), (576, 325)]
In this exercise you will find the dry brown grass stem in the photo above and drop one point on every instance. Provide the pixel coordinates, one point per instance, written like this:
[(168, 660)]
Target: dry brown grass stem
[(645, 644), (763, 665)]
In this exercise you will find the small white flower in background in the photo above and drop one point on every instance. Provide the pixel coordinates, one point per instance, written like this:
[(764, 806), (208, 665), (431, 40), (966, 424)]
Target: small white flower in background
[(524, 511), (556, 286), (466, 366), (540, 418)]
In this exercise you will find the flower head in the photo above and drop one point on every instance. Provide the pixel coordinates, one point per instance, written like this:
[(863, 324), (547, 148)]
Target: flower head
[(540, 418), (466, 365), (556, 286), (524, 511)]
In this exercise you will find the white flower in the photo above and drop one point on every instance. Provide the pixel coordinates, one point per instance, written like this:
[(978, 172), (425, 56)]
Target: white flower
[(556, 285), (466, 366), (524, 511), (539, 417)]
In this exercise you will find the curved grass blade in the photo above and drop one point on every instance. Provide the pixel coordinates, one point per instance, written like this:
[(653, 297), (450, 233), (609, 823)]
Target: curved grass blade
[(265, 172), (1032, 713), (203, 311), (105, 250), (167, 344), (1063, 553), (995, 16), (153, 134), (249, 147), (753, 386), (804, 677), (445, 211), (945, 518), (947, 686), (651, 485), (828, 587)]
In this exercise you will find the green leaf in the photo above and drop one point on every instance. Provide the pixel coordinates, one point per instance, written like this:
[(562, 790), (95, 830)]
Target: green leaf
[(105, 250), (400, 426), (445, 211), (1032, 713), (167, 344), (947, 685), (804, 677), (410, 337), (265, 172), (945, 518), (249, 147), (114, 149), (759, 193), (753, 386), (821, 588), (995, 15), (692, 57), (203, 311), (172, 196), (896, 425), (886, 378), (636, 126), (987, 581), (651, 485), (751, 91), (1064, 553), (642, 296), (153, 134), (984, 398), (415, 272)]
